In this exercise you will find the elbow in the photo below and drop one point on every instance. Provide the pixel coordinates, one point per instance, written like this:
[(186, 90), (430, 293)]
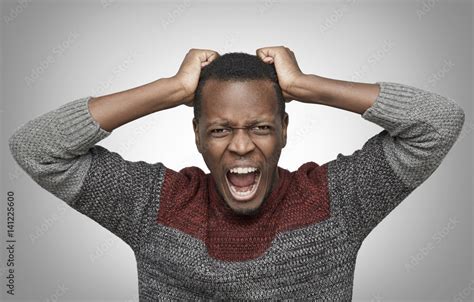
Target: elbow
[(23, 148), (445, 115), (460, 116), (454, 121), (15, 145)]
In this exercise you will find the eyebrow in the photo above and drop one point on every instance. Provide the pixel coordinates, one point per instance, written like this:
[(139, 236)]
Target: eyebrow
[(248, 123)]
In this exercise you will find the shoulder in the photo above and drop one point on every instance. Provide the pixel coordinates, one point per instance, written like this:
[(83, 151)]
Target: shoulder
[(110, 165), (183, 184), (183, 194), (310, 174), (185, 178), (306, 198), (309, 182)]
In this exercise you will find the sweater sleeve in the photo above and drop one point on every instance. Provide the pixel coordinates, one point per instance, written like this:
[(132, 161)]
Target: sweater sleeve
[(420, 127), (57, 150)]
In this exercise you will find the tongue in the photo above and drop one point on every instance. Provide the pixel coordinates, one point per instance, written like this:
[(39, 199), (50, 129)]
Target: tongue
[(241, 180)]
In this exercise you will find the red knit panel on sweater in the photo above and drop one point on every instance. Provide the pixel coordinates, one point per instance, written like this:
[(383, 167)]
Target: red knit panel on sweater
[(190, 203)]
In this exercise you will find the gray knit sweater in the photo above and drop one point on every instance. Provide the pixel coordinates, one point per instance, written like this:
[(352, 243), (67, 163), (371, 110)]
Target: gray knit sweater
[(301, 246)]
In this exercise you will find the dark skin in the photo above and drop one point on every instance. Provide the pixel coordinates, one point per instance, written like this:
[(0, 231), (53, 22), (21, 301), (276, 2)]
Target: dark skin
[(240, 104), (237, 102)]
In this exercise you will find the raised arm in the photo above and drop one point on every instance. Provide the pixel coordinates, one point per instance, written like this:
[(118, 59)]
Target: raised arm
[(57, 149), (114, 110), (420, 127)]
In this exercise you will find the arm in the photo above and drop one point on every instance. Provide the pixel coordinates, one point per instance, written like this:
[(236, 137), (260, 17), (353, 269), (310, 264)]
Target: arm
[(57, 149), (420, 127), (114, 110), (313, 89)]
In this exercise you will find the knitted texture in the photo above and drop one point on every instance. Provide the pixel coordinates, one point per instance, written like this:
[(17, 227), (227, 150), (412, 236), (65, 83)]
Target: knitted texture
[(302, 245), (297, 201)]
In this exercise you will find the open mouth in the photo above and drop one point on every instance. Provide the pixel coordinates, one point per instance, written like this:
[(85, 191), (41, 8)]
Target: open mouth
[(243, 182)]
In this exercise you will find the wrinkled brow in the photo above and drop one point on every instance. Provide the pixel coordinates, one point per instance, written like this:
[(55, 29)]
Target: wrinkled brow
[(227, 123)]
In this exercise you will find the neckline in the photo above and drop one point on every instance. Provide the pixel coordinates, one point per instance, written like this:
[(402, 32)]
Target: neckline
[(217, 201)]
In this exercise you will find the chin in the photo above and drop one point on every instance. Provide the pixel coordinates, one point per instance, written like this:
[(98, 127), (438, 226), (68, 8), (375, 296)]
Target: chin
[(248, 209), (250, 204), (244, 206)]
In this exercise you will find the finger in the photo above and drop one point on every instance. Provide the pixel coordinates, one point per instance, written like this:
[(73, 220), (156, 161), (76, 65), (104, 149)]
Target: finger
[(268, 60), (268, 51), (287, 97), (208, 56), (190, 103), (265, 57), (268, 54), (214, 55), (262, 53)]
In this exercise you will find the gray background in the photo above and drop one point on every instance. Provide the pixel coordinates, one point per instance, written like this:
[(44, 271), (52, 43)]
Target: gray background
[(55, 52)]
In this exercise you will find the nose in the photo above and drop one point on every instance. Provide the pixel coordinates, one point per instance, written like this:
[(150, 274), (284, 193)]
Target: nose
[(241, 142)]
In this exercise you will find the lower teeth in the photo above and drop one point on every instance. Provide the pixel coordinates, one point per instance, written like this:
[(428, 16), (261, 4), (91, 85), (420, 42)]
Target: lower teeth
[(244, 192), (249, 190)]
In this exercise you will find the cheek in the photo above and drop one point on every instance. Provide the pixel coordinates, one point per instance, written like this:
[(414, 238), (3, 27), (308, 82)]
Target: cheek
[(207, 147), (212, 154), (271, 149), (268, 145)]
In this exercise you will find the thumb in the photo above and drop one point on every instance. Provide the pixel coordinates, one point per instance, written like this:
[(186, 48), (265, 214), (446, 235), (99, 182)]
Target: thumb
[(190, 103), (268, 60), (265, 54), (208, 56)]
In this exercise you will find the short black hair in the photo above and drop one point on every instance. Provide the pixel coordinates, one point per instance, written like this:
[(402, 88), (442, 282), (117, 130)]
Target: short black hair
[(238, 66)]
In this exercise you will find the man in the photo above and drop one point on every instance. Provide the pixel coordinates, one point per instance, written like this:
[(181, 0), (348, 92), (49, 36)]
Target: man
[(250, 229)]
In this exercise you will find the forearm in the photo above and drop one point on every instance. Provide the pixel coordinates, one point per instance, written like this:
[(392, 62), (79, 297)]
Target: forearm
[(74, 127), (422, 125), (114, 110), (350, 96), (422, 128), (54, 148)]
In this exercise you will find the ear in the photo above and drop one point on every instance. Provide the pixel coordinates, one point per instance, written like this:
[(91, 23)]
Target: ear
[(284, 127), (196, 134)]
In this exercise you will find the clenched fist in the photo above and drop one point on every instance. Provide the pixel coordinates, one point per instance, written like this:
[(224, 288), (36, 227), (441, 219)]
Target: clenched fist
[(190, 69), (286, 67)]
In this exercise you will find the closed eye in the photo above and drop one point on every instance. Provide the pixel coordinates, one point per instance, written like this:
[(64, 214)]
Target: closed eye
[(262, 129), (219, 132)]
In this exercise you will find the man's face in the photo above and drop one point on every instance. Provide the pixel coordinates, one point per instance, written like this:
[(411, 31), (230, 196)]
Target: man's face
[(237, 104)]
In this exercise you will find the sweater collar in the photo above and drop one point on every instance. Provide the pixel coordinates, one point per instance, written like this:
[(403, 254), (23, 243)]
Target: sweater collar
[(218, 205)]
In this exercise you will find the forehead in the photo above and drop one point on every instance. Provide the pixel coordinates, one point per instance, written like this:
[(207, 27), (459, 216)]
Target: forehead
[(238, 101)]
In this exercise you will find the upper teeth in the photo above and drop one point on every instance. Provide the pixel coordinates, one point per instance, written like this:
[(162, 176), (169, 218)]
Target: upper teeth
[(243, 170)]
